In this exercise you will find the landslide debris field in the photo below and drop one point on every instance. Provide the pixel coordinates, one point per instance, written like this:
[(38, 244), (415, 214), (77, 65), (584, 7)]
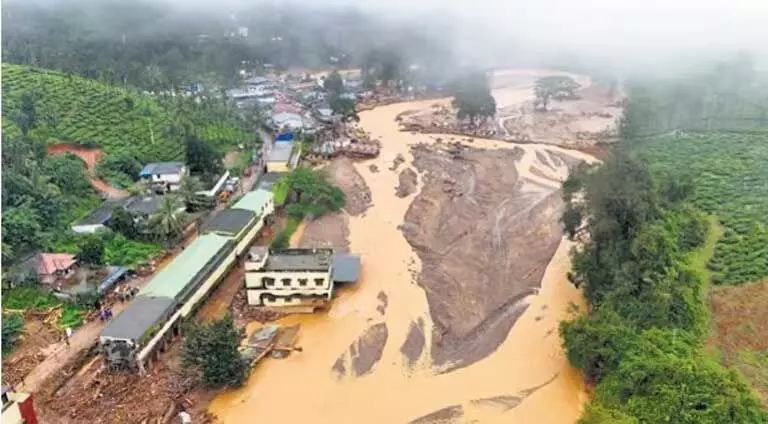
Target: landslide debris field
[(463, 287), (585, 122), (484, 235)]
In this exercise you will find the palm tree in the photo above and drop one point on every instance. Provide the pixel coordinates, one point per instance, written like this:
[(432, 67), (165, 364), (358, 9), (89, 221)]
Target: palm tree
[(167, 223), (188, 189)]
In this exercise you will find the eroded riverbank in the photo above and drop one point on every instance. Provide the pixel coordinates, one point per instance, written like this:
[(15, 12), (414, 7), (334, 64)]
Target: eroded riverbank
[(384, 325)]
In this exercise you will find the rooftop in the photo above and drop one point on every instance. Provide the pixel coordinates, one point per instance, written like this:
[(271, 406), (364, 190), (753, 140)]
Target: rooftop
[(192, 265), (299, 260), (161, 168), (48, 263), (268, 179), (100, 215), (229, 222), (138, 317), (254, 201), (146, 205), (346, 268), (281, 152)]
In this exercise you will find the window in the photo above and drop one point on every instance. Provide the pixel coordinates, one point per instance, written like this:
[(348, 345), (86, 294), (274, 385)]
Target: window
[(268, 282), (286, 282), (319, 282), (303, 281)]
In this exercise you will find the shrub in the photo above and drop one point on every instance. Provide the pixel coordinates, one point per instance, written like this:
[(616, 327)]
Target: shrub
[(13, 326)]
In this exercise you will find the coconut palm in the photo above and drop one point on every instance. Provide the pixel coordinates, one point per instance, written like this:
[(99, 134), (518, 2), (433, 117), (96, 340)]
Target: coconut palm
[(167, 223), (188, 189)]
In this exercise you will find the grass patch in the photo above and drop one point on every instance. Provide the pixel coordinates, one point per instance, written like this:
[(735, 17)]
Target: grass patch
[(700, 257), (283, 238), (30, 298), (118, 250), (754, 366), (280, 191)]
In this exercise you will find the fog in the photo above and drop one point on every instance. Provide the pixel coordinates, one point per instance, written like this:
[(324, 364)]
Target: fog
[(626, 35)]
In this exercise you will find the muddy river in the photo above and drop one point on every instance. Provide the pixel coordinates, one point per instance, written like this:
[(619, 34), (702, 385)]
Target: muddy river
[(526, 379)]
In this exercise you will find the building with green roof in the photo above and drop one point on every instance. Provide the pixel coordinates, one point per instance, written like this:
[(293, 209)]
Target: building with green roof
[(259, 201), (190, 268)]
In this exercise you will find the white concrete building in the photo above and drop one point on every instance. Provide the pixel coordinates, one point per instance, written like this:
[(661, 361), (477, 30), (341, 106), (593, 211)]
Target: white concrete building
[(165, 174), (295, 279)]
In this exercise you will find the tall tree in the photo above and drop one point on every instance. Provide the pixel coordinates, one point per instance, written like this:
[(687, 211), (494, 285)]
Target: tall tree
[(91, 249), (213, 350), (188, 189), (472, 97), (334, 84), (167, 223), (554, 87), (345, 108), (202, 158)]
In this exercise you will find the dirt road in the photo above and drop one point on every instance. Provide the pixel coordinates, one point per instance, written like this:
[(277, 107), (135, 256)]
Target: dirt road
[(370, 358), (82, 339), (91, 158)]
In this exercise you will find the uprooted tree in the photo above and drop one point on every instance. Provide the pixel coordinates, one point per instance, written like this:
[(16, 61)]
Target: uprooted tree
[(472, 97), (554, 87), (212, 349)]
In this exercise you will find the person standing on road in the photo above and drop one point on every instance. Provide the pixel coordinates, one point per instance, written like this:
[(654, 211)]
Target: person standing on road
[(69, 335)]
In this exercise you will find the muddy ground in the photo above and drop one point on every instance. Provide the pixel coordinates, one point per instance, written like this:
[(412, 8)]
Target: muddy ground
[(83, 391), (364, 353), (332, 230), (408, 182), (31, 349), (588, 121), (484, 237)]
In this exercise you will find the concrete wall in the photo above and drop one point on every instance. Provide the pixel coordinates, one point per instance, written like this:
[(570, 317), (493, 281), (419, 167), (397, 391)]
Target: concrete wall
[(256, 286), (254, 280), (245, 243), (12, 415), (169, 178)]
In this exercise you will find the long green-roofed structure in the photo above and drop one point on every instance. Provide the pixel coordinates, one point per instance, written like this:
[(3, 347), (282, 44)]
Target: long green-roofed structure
[(257, 201), (190, 267)]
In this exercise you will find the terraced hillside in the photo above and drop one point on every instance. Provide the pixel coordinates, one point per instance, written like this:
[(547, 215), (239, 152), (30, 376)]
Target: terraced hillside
[(72, 109), (730, 178)]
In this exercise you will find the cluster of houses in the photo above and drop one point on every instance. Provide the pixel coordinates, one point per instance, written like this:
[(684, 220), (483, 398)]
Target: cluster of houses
[(295, 103)]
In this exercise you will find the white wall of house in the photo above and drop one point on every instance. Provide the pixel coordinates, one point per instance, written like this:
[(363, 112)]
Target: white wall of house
[(169, 178), (84, 229), (286, 284)]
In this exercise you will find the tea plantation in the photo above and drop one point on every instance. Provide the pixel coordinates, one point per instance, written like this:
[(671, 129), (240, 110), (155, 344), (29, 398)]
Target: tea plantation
[(120, 120), (729, 172)]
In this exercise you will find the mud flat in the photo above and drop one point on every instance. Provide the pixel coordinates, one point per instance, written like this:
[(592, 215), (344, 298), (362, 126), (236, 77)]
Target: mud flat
[(484, 235), (507, 353)]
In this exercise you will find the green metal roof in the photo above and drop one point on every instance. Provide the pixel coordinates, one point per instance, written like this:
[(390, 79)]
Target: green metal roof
[(188, 269), (254, 201)]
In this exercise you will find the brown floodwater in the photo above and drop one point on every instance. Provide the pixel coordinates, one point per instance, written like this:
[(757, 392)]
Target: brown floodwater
[(526, 380)]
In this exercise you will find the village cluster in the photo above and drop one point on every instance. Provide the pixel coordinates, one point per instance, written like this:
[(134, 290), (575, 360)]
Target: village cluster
[(290, 280)]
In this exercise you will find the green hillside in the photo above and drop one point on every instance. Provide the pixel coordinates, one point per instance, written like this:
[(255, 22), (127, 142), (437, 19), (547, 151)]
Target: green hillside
[(730, 177), (120, 120)]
